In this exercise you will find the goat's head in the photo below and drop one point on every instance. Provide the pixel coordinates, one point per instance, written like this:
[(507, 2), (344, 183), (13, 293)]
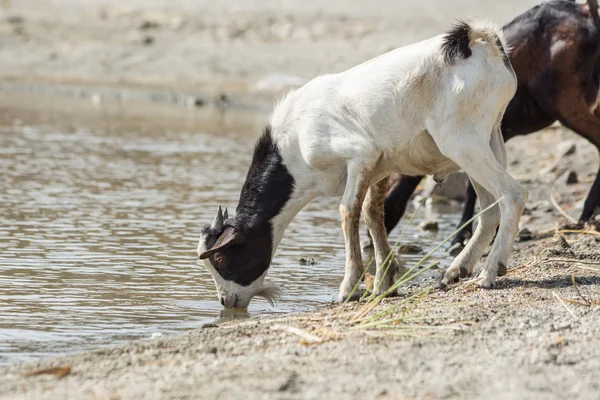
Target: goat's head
[(238, 261)]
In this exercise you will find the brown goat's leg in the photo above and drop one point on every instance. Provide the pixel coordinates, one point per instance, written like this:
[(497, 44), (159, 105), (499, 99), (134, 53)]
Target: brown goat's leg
[(578, 117), (397, 197), (357, 184), (468, 212), (399, 190), (374, 218)]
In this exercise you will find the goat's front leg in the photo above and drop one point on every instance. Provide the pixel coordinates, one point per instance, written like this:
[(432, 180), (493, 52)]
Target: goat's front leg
[(357, 184), (373, 211)]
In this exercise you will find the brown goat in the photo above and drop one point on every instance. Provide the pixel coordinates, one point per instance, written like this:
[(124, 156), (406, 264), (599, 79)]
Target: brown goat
[(556, 56)]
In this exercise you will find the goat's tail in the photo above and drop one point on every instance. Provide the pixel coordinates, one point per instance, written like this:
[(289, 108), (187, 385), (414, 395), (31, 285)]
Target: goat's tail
[(593, 6), (458, 40)]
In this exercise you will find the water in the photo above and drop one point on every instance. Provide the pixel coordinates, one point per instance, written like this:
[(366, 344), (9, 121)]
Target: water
[(100, 212)]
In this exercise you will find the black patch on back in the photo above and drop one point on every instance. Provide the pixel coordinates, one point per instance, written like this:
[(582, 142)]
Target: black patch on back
[(456, 43), (268, 187)]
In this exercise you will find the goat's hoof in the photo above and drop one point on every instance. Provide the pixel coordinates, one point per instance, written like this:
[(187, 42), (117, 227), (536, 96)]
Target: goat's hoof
[(392, 294), (346, 298), (450, 276), (456, 248), (486, 282), (501, 269)]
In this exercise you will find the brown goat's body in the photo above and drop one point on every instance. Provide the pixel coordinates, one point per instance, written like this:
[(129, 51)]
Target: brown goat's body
[(556, 56)]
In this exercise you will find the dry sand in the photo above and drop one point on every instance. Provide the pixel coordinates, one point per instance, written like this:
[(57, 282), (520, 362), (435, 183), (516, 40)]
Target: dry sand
[(515, 342)]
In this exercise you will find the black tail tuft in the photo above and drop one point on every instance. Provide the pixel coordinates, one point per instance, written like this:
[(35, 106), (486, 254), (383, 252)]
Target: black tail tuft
[(456, 43)]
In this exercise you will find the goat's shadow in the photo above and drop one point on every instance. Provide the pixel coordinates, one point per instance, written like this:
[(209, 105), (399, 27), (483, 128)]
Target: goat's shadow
[(548, 283)]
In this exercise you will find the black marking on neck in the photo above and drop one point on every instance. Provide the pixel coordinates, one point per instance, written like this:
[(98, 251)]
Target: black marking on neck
[(268, 186), (456, 43)]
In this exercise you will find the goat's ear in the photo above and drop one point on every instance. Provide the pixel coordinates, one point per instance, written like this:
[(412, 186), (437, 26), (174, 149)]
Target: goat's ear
[(229, 237)]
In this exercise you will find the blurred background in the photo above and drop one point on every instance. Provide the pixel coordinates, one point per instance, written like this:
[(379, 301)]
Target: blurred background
[(210, 46)]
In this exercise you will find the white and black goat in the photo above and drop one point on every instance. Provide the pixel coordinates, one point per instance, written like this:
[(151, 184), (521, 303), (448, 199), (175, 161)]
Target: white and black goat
[(433, 107)]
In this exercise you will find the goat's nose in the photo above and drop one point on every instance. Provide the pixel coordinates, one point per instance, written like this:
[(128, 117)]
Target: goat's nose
[(222, 301)]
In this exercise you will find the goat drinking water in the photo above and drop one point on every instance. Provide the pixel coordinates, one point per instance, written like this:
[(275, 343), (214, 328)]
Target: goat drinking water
[(430, 108)]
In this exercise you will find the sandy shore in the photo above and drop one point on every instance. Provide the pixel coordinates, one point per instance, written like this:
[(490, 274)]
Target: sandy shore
[(518, 341)]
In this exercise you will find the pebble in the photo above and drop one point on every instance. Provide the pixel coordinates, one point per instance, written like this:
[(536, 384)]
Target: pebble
[(140, 38), (146, 24), (566, 148), (409, 249), (562, 242), (525, 235), (561, 326), (570, 177), (306, 261), (195, 101), (429, 226), (15, 19)]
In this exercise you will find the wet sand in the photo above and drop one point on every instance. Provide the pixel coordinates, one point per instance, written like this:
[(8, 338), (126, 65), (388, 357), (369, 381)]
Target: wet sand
[(516, 341)]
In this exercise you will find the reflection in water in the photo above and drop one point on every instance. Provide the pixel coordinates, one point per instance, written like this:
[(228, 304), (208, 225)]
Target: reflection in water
[(100, 213), (231, 315)]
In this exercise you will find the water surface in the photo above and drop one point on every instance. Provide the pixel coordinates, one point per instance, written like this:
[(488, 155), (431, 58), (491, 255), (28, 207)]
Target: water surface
[(100, 212)]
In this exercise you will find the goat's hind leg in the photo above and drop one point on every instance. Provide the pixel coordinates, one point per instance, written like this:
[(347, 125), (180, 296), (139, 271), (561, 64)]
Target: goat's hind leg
[(373, 211), (511, 209), (464, 263), (577, 116), (484, 162)]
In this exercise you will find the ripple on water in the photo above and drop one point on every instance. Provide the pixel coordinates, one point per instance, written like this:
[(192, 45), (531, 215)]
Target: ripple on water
[(98, 227)]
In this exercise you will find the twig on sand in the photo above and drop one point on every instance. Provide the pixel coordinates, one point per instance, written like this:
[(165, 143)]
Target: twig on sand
[(473, 281), (565, 305), (559, 208), (586, 301), (588, 268), (554, 231), (308, 337), (59, 372), (570, 260)]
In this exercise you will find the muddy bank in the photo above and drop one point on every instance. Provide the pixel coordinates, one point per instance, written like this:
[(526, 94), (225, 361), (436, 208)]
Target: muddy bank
[(517, 341)]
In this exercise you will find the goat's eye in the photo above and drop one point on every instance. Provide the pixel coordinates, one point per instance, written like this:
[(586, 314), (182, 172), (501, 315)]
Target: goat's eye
[(219, 258)]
